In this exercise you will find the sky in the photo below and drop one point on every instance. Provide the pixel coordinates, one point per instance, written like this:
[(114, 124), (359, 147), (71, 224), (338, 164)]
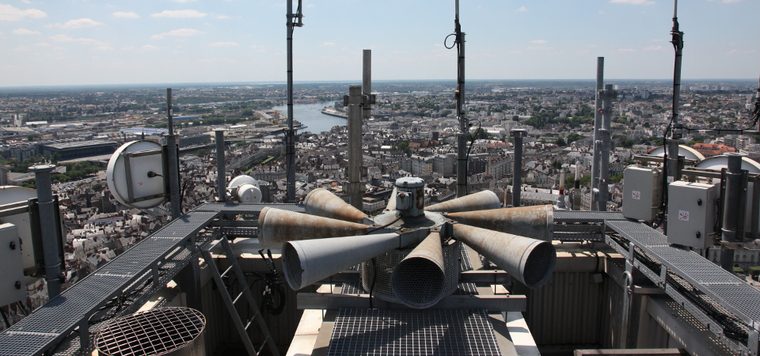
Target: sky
[(82, 42)]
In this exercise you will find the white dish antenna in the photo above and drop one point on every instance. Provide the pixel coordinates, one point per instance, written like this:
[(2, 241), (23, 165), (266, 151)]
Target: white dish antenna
[(135, 175), (245, 189), (683, 150)]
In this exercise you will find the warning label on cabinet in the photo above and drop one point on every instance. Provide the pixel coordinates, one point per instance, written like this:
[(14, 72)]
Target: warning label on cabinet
[(683, 215), (636, 194)]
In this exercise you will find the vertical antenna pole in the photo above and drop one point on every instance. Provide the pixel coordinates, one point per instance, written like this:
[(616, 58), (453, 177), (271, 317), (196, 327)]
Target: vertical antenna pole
[(355, 102), (171, 151), (367, 80), (518, 134), (608, 94), (463, 122), (290, 149), (50, 242), (221, 179), (597, 125), (675, 126)]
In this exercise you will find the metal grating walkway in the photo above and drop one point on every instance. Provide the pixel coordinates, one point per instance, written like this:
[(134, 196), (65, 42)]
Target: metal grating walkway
[(730, 291), (578, 216), (55, 320), (412, 332)]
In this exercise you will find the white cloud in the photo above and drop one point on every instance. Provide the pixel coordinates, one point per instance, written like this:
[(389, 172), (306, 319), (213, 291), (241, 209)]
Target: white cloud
[(522, 9), (332, 44), (539, 42), (222, 17), (653, 48), (125, 15), (25, 32), (184, 1), (176, 33), (79, 40), (12, 13), (179, 14), (224, 44), (632, 2), (626, 50), (148, 47), (729, 1), (78, 23)]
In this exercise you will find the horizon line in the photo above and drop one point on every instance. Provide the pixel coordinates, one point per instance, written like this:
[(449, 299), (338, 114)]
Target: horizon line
[(264, 82)]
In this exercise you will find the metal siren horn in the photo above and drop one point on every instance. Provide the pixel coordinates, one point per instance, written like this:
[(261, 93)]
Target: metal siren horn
[(309, 261), (322, 202), (531, 221), (418, 280), (527, 260), (485, 199), (278, 226)]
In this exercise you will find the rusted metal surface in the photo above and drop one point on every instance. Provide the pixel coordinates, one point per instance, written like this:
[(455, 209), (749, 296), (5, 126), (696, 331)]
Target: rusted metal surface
[(278, 226), (531, 221), (528, 260), (322, 202), (418, 281), (477, 201), (306, 262)]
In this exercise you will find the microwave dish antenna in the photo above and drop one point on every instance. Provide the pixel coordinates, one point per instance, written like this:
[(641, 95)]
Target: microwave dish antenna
[(135, 175)]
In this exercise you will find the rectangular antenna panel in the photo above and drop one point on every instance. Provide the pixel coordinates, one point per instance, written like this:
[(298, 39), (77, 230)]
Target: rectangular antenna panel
[(12, 286), (692, 214), (641, 192)]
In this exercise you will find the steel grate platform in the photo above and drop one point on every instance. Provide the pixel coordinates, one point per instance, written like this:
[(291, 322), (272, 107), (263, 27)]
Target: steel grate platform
[(55, 320), (231, 208), (729, 291), (412, 332)]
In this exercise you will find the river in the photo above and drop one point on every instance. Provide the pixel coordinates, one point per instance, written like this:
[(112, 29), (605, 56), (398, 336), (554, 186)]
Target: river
[(310, 115)]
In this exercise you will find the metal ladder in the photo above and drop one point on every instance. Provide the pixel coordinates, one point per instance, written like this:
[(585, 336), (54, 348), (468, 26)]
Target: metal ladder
[(244, 295)]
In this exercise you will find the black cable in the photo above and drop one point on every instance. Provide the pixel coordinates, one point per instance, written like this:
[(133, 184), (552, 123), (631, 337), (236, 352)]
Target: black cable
[(23, 308), (374, 280), (5, 318), (384, 226)]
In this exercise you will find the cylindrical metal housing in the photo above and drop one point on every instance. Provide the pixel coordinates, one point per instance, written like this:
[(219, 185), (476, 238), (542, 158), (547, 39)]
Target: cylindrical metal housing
[(162, 331), (485, 199), (322, 202), (534, 221), (733, 209), (278, 226), (410, 199), (355, 156), (418, 280), (527, 260)]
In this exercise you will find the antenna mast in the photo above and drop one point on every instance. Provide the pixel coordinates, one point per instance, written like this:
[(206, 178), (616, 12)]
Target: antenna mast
[(463, 122), (294, 20), (675, 127)]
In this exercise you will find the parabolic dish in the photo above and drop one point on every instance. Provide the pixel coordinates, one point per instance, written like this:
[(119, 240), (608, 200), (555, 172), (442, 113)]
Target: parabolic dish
[(683, 150), (129, 175)]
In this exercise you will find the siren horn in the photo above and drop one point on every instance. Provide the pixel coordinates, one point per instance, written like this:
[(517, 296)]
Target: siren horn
[(535, 221), (306, 262), (322, 202), (528, 260), (485, 199), (418, 280), (277, 226)]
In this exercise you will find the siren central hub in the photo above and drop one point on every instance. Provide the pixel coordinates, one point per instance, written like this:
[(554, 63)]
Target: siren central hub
[(410, 199)]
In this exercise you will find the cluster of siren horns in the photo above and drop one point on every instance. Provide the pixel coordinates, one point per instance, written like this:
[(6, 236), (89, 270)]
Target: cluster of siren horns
[(409, 254)]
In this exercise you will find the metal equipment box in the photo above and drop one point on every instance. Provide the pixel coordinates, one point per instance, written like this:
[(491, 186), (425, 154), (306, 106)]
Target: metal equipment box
[(12, 286), (641, 192), (692, 213)]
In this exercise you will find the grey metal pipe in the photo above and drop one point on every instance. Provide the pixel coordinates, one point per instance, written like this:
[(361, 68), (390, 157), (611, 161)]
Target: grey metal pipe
[(461, 116), (322, 202), (518, 134), (221, 179), (171, 152), (604, 164), (419, 279), (536, 221), (476, 201), (277, 226), (355, 157), (47, 228), (597, 120), (733, 209)]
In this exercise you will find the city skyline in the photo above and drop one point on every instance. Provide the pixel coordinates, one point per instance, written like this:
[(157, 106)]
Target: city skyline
[(79, 42)]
